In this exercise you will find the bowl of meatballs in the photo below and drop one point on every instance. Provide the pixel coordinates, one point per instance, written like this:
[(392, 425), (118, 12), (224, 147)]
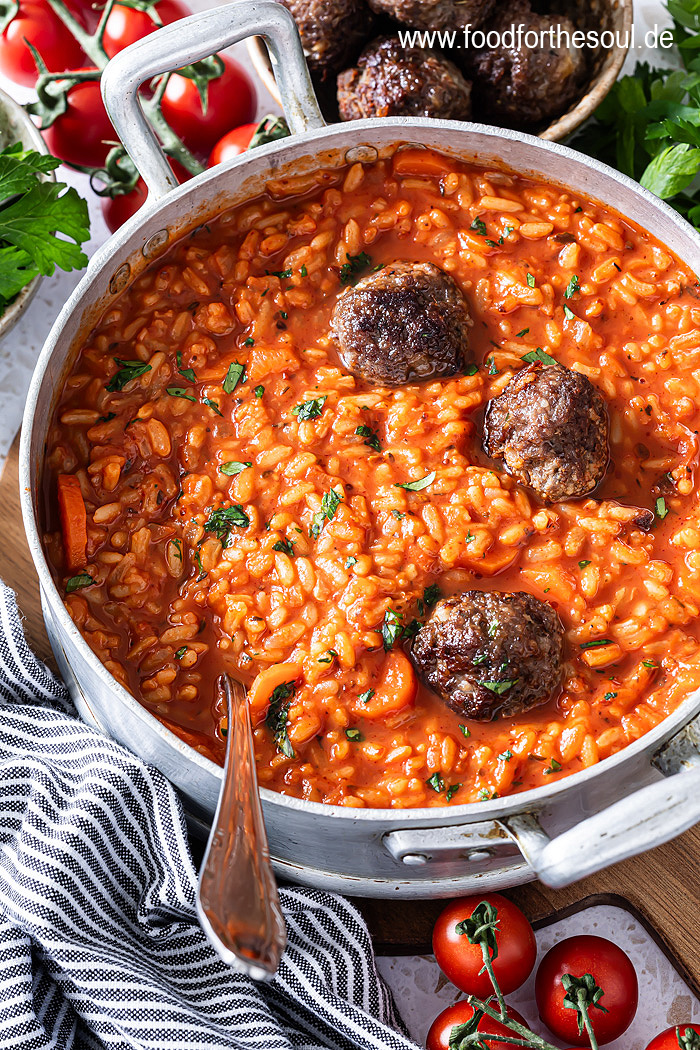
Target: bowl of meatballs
[(381, 58)]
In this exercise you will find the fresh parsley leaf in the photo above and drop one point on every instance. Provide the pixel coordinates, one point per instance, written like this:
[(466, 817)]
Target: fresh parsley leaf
[(471, 370), (285, 547), (276, 717), (234, 376), (352, 560), (258, 391), (479, 226), (249, 341), (365, 697), (492, 369), (128, 370), (233, 467), (553, 767), (538, 355), (569, 314), (505, 756), (519, 335), (354, 735), (583, 564), (464, 730), (354, 266), (572, 287), (187, 373), (329, 504), (371, 437), (417, 486), (221, 521), (499, 688), (213, 405), (530, 280), (432, 594), (179, 391), (75, 583), (649, 664), (609, 696), (452, 791), (391, 628), (179, 653), (309, 409), (436, 783), (596, 643), (661, 508)]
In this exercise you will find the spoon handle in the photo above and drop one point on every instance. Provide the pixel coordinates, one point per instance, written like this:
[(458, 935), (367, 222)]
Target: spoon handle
[(237, 900)]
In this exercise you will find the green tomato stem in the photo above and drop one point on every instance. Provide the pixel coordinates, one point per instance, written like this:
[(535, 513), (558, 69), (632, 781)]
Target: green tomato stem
[(585, 1017), (91, 45), (536, 1042), (172, 144), (488, 963)]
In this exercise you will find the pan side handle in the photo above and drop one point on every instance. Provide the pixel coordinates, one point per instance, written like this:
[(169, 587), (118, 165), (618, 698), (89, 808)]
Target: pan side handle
[(644, 819), (190, 40)]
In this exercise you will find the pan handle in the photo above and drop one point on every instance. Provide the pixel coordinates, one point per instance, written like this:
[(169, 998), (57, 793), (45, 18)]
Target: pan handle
[(190, 40), (644, 819)]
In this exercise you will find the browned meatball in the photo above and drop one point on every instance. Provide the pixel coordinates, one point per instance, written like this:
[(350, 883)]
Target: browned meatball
[(407, 322), (436, 14), (332, 31), (394, 81), (550, 428), (491, 654), (525, 86)]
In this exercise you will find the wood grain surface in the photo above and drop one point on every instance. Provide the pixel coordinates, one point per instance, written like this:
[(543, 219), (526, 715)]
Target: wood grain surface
[(662, 885)]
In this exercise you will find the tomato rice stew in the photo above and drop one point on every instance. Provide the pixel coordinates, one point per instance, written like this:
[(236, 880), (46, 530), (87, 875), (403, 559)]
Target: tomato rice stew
[(222, 493)]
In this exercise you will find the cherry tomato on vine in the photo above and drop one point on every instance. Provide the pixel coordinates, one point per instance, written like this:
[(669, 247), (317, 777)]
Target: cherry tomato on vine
[(36, 22), (680, 1037), (439, 1034), (116, 210), (125, 25), (462, 962), (232, 144), (232, 101), (611, 970), (82, 135)]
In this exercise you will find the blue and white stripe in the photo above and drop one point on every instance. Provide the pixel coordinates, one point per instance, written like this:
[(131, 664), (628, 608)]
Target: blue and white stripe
[(99, 940)]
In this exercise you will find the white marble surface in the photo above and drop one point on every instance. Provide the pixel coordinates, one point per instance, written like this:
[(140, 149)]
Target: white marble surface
[(421, 991)]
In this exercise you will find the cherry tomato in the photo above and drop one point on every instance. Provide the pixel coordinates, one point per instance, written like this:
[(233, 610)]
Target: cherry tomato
[(232, 144), (83, 135), (36, 22), (116, 210), (460, 1013), (461, 961), (125, 25), (232, 101), (680, 1036), (611, 970)]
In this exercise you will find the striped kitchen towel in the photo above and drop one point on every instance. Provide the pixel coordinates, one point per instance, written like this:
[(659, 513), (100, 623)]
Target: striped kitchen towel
[(99, 940)]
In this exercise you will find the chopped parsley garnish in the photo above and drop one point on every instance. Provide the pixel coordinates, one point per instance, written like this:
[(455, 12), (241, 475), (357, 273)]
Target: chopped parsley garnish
[(391, 628), (352, 560), (371, 437), (304, 272), (649, 664), (452, 791), (471, 370), (484, 794), (179, 653), (553, 767), (436, 783), (233, 467), (417, 486), (309, 409), (499, 688), (609, 696), (213, 405), (661, 508), (234, 376), (329, 505), (354, 735), (583, 564), (569, 314), (187, 373), (354, 266), (179, 391), (221, 521), (365, 697), (249, 341), (479, 226), (276, 718), (538, 355), (493, 370), (198, 563), (432, 594), (76, 582), (572, 287), (464, 731), (128, 370), (520, 334), (596, 643), (531, 280), (505, 756), (282, 274), (284, 547), (258, 391)]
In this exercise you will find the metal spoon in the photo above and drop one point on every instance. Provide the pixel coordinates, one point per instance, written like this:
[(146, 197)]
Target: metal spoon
[(237, 900)]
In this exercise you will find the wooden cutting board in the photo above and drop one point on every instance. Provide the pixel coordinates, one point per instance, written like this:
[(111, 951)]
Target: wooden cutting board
[(662, 885)]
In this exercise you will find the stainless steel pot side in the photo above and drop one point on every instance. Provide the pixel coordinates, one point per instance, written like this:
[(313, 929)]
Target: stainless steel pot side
[(559, 833)]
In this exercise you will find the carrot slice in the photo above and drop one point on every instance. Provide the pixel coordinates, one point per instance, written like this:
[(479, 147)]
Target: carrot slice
[(71, 507), (267, 681), (396, 688)]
